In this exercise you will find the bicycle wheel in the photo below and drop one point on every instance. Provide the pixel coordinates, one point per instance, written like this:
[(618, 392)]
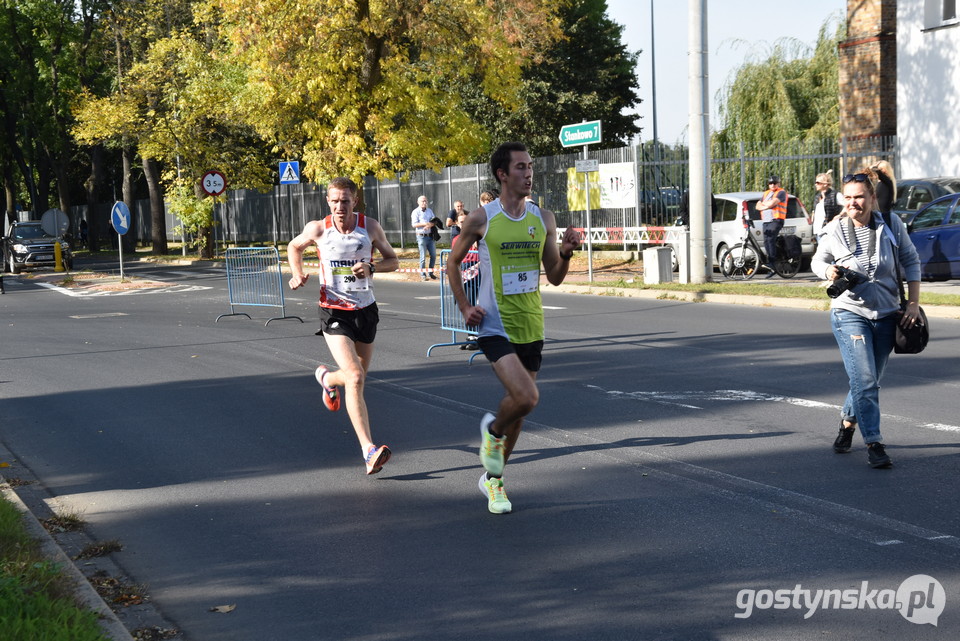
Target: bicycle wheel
[(787, 267), (740, 262)]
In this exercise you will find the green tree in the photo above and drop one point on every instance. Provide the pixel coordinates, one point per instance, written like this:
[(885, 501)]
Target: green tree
[(588, 74), (175, 103), (790, 94), (43, 50), (361, 87)]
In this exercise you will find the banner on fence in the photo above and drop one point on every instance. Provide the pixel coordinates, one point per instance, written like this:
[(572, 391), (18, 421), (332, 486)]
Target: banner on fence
[(618, 185), (577, 195)]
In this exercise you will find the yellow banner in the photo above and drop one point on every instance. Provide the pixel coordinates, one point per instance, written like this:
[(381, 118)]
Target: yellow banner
[(576, 190)]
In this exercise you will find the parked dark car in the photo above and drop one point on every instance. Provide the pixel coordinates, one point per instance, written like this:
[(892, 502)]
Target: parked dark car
[(935, 231), (26, 246), (914, 193), (659, 207)]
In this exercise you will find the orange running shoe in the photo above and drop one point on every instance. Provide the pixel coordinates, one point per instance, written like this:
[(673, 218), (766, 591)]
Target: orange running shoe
[(331, 396)]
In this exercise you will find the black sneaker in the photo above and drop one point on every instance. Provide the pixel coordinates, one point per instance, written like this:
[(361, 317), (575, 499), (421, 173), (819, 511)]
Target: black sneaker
[(844, 439), (877, 456)]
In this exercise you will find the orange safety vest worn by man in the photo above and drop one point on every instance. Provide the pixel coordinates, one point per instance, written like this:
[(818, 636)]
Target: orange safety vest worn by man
[(773, 211)]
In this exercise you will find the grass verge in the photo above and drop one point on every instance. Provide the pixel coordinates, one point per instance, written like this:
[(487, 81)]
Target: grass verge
[(36, 602)]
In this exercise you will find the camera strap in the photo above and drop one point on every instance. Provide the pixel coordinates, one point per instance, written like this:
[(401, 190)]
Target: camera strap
[(853, 244)]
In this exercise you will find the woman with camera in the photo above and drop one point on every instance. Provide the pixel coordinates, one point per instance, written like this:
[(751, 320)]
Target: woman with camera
[(857, 253)]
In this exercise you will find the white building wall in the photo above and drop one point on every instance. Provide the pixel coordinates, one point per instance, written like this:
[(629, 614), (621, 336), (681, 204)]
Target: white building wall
[(928, 90)]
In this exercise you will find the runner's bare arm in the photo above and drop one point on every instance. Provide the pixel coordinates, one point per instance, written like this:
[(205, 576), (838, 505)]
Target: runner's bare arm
[(473, 228), (309, 236), (556, 262)]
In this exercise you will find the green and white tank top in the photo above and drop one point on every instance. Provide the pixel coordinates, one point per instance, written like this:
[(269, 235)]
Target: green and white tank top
[(510, 254)]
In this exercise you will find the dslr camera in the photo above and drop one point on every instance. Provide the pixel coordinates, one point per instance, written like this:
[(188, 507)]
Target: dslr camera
[(846, 279)]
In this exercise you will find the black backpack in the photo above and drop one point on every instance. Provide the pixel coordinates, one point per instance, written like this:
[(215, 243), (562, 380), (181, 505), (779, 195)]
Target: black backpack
[(792, 247)]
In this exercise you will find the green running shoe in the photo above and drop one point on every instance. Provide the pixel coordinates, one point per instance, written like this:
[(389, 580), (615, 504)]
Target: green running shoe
[(491, 448), (497, 501)]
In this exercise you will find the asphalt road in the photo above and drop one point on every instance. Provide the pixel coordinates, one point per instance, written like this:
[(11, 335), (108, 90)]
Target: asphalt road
[(676, 481)]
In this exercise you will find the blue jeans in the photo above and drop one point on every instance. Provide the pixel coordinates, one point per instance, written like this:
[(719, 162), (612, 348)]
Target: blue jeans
[(865, 346), (770, 232), (426, 243)]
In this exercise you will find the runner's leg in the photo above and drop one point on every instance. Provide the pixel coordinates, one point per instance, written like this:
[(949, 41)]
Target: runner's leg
[(521, 397), (353, 360)]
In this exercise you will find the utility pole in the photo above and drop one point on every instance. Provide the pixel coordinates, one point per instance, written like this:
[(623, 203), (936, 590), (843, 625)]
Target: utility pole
[(701, 261)]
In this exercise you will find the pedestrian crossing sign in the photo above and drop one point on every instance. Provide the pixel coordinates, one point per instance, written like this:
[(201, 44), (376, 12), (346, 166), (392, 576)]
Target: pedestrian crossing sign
[(289, 172)]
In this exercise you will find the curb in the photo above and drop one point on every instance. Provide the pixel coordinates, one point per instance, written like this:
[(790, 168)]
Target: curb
[(83, 592)]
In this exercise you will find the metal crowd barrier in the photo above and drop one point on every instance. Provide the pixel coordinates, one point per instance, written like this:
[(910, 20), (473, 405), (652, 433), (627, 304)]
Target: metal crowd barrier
[(450, 317), (254, 278)]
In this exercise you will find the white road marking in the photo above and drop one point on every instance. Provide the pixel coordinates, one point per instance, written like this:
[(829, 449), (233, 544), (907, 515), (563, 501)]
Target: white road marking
[(105, 315), (173, 289), (685, 399)]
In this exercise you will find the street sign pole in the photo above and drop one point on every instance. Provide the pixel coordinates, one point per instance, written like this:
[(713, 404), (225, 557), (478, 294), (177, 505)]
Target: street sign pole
[(584, 134), (586, 180), (120, 219)]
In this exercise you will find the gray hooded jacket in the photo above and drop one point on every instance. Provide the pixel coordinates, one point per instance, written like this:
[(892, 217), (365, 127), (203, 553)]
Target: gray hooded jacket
[(875, 297)]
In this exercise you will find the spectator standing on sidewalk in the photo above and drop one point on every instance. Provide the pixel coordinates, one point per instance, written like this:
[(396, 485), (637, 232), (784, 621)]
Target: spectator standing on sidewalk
[(345, 243), (453, 217), (826, 204), (773, 212), (422, 220)]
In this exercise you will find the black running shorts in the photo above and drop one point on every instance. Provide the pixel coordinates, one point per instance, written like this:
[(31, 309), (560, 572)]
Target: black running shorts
[(359, 325), (496, 347)]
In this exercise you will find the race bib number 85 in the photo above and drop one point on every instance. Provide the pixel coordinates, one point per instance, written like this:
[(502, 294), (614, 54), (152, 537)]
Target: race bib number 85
[(520, 282)]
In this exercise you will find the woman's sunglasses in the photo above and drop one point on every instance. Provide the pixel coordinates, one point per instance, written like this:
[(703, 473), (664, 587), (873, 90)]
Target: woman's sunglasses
[(860, 178)]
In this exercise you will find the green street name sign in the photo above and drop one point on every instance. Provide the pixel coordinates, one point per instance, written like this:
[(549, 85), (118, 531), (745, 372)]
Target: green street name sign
[(581, 133)]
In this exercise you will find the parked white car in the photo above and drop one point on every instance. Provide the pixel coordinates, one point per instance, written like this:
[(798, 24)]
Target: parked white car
[(727, 227)]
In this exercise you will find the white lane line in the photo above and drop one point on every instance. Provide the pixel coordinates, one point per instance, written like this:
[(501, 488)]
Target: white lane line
[(174, 289), (686, 398), (104, 315)]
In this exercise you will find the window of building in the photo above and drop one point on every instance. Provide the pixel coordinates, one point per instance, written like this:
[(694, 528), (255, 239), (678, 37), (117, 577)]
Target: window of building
[(939, 13)]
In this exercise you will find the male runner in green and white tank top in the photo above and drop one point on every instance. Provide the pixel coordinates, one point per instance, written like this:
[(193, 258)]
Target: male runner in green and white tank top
[(514, 238)]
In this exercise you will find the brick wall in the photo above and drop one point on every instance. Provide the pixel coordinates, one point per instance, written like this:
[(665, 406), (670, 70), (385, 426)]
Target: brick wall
[(868, 69)]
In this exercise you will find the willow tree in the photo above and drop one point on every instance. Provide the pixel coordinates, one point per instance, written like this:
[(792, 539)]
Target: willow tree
[(363, 87), (789, 95)]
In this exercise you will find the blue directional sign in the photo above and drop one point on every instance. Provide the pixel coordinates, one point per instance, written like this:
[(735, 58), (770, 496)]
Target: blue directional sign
[(290, 172), (120, 217)]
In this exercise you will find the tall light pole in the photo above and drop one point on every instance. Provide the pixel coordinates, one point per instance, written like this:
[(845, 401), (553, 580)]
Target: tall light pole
[(701, 260), (653, 86)]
